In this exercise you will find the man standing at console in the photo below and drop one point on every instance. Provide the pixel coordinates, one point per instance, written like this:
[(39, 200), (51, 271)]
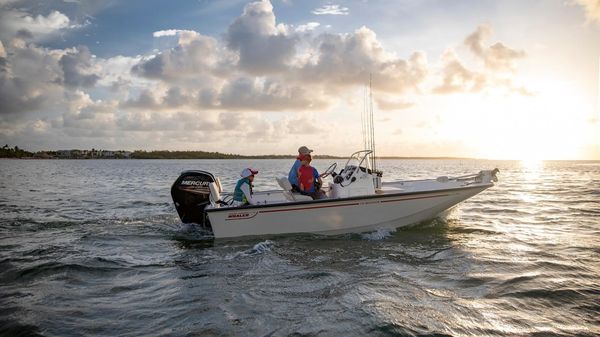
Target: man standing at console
[(293, 175)]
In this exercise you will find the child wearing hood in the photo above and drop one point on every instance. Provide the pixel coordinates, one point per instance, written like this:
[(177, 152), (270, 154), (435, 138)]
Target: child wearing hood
[(242, 194)]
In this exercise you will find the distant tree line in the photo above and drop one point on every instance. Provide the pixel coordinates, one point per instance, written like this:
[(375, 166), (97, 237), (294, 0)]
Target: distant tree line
[(14, 152), (197, 155)]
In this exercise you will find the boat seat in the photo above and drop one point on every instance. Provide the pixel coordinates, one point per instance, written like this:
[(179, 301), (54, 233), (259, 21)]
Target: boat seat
[(215, 195), (220, 187), (284, 183)]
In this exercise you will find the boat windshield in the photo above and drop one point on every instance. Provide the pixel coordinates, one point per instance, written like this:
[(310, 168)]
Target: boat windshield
[(358, 158)]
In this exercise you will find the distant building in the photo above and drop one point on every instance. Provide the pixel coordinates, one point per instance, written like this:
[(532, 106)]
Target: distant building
[(63, 154), (93, 153), (42, 155), (125, 154)]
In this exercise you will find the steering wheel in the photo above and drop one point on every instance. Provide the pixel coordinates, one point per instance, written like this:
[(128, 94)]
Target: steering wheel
[(329, 171)]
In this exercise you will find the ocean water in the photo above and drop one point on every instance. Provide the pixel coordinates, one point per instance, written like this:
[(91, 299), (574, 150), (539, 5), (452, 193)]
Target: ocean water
[(95, 248)]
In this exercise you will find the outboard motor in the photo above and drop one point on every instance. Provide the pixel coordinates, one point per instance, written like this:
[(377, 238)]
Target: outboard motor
[(191, 194)]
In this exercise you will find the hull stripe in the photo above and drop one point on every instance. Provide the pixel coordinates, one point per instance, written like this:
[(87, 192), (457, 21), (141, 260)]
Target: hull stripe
[(351, 204), (305, 208)]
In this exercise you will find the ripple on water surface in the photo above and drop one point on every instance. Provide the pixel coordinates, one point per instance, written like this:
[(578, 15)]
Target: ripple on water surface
[(96, 248)]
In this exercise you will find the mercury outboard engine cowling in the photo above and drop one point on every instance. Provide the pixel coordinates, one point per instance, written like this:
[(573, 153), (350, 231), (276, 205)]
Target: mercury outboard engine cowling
[(191, 194)]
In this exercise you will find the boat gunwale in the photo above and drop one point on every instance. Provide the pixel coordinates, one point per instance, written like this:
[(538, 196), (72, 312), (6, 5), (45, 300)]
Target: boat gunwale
[(362, 197)]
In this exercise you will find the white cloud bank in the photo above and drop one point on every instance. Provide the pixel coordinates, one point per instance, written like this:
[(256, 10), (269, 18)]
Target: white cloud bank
[(206, 89), (16, 22)]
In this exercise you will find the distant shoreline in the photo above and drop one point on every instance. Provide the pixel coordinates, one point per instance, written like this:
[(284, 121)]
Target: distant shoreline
[(293, 157), (16, 152), (246, 157)]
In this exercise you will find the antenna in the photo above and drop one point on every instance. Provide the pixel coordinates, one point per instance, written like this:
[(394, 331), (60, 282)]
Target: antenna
[(368, 124), (372, 148), (365, 120), (598, 115)]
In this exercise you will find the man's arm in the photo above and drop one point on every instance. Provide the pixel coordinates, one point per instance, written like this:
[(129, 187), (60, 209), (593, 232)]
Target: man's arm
[(293, 175)]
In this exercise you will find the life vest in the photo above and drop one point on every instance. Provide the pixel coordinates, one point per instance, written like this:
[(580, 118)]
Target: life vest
[(238, 194), (306, 178)]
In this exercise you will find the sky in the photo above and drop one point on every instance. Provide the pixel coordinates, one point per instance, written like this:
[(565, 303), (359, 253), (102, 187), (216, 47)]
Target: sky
[(485, 79)]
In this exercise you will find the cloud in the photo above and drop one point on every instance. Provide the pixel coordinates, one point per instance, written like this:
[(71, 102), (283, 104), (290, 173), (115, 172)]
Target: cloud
[(78, 70), (265, 65), (87, 117), (195, 55), (3, 59), (16, 22), (116, 71), (497, 56), (307, 27), (456, 77), (35, 79), (331, 10), (237, 94), (392, 104), (304, 125), (28, 78), (346, 60), (19, 95), (204, 88), (592, 9), (499, 66), (168, 32), (245, 93), (262, 46), (176, 97), (146, 101)]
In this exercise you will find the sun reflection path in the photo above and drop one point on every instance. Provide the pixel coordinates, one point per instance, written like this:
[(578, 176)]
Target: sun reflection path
[(531, 171), (533, 165)]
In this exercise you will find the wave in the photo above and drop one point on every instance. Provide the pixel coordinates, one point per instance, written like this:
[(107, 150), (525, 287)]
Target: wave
[(46, 269), (17, 329), (565, 295), (584, 210)]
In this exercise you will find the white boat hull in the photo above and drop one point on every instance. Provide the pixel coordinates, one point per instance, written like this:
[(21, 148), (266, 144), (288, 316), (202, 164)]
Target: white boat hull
[(336, 216), (355, 201)]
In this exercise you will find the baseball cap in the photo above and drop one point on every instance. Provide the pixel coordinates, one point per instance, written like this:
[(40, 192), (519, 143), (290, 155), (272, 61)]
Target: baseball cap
[(248, 172), (304, 150)]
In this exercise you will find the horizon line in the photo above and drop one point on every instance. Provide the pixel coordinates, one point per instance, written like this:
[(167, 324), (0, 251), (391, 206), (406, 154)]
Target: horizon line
[(259, 156)]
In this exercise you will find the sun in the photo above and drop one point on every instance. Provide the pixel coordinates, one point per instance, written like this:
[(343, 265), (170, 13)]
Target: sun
[(553, 124)]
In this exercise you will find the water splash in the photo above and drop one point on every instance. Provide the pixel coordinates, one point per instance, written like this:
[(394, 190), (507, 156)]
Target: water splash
[(259, 248), (262, 247), (379, 234)]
